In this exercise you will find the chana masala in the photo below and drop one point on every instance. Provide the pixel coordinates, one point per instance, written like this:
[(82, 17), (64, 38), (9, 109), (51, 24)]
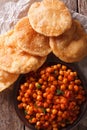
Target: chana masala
[(51, 97)]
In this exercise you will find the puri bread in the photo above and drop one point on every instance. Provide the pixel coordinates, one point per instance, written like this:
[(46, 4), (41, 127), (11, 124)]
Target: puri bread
[(6, 79), (29, 40), (72, 45), (50, 17), (15, 60)]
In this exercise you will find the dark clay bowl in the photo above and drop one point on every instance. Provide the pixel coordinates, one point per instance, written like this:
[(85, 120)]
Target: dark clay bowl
[(50, 61)]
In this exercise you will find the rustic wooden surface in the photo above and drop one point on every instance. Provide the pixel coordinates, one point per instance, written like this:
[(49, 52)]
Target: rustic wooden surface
[(8, 117)]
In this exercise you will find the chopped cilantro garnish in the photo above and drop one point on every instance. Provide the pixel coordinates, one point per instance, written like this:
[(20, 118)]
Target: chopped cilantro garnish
[(44, 110), (38, 86), (59, 92), (25, 112)]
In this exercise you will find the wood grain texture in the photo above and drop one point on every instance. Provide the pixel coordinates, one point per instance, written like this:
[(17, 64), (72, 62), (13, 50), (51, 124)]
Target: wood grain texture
[(26, 128), (80, 127), (8, 117), (71, 4), (82, 7)]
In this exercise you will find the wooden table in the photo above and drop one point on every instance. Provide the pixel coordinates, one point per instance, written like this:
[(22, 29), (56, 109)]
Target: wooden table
[(8, 117)]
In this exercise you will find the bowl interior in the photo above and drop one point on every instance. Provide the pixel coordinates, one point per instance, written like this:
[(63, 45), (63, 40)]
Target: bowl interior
[(51, 60)]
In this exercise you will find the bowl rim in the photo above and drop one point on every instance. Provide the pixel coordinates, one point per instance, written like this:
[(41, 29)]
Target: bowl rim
[(72, 66)]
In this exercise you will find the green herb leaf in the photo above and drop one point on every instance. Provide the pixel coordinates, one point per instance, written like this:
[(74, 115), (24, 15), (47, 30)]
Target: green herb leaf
[(44, 110), (38, 86), (59, 92), (30, 118), (25, 112)]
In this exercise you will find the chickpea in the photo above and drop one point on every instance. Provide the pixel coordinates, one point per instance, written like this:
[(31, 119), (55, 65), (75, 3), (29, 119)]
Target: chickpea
[(20, 106), (71, 87), (26, 84), (63, 124), (63, 100), (63, 87), (45, 95), (60, 113), (65, 80), (48, 101), (59, 66), (62, 106), (60, 77), (70, 77), (45, 104), (55, 82), (38, 123), (65, 115), (49, 70), (57, 101), (59, 118), (39, 98), (53, 88), (32, 79), (34, 95), (78, 81), (19, 98), (75, 74), (24, 105), (21, 93), (54, 111), (39, 93), (42, 72), (46, 117), (52, 116), (55, 67), (61, 72), (34, 120), (43, 77), (64, 67), (26, 95), (27, 116), (29, 92), (48, 109), (38, 115), (55, 128), (76, 88), (22, 87), (23, 99), (40, 81), (49, 97), (43, 87), (45, 83)]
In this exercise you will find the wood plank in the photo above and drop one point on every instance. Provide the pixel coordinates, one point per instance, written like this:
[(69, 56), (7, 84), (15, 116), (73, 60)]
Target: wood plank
[(71, 4), (8, 117), (82, 7), (76, 128), (26, 128), (82, 127)]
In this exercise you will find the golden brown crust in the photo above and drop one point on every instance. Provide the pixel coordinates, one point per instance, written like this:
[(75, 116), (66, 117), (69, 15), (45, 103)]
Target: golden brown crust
[(50, 17), (29, 40), (15, 60), (72, 45), (6, 79)]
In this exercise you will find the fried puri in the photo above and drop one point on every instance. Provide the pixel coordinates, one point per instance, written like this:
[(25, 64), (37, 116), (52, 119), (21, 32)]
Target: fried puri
[(50, 17), (29, 40), (6, 79), (15, 60), (71, 46)]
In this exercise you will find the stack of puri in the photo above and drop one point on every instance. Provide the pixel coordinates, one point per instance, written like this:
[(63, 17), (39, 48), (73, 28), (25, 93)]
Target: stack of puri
[(67, 38), (48, 27), (21, 50)]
